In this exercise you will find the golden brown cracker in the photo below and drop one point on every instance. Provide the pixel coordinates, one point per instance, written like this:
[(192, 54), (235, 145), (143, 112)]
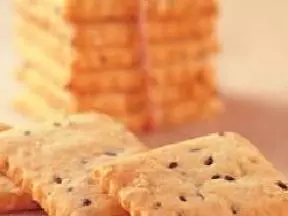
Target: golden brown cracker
[(11, 199), (72, 101), (34, 107), (220, 173), (52, 161)]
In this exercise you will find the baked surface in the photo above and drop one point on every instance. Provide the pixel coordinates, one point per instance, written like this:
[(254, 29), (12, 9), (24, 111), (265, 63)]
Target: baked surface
[(53, 162), (221, 173)]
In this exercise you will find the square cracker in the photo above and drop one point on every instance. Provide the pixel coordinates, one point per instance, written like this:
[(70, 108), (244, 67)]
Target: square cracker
[(11, 199), (52, 161), (221, 174), (37, 108)]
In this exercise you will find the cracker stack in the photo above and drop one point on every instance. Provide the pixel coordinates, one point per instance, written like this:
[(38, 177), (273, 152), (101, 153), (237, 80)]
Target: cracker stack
[(147, 64)]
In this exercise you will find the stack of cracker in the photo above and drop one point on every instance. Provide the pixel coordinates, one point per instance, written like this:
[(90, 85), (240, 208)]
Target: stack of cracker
[(148, 63), (89, 165)]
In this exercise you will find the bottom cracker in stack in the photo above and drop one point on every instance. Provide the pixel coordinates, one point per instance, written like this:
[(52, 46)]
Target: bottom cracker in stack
[(221, 174), (53, 162), (11, 198), (31, 104), (127, 107)]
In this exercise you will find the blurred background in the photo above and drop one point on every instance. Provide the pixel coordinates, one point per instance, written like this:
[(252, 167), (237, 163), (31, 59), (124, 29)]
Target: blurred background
[(252, 73)]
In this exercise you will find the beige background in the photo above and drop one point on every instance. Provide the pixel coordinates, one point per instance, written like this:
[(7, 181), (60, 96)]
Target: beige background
[(255, 36)]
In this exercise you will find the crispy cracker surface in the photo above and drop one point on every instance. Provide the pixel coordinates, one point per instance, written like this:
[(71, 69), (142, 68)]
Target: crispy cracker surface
[(11, 199), (53, 162), (221, 174)]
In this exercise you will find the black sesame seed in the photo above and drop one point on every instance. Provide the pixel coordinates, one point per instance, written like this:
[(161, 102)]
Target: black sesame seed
[(209, 161), (216, 177), (282, 185), (173, 165), (70, 189), (229, 178), (57, 180), (183, 198), (27, 133), (157, 205), (57, 124), (86, 202), (110, 153)]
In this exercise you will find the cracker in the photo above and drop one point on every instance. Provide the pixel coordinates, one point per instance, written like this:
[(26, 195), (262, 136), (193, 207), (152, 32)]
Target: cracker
[(84, 81), (90, 11), (108, 58), (32, 106), (11, 199), (221, 174), (120, 80), (35, 107), (52, 161), (118, 33), (76, 58), (119, 103)]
